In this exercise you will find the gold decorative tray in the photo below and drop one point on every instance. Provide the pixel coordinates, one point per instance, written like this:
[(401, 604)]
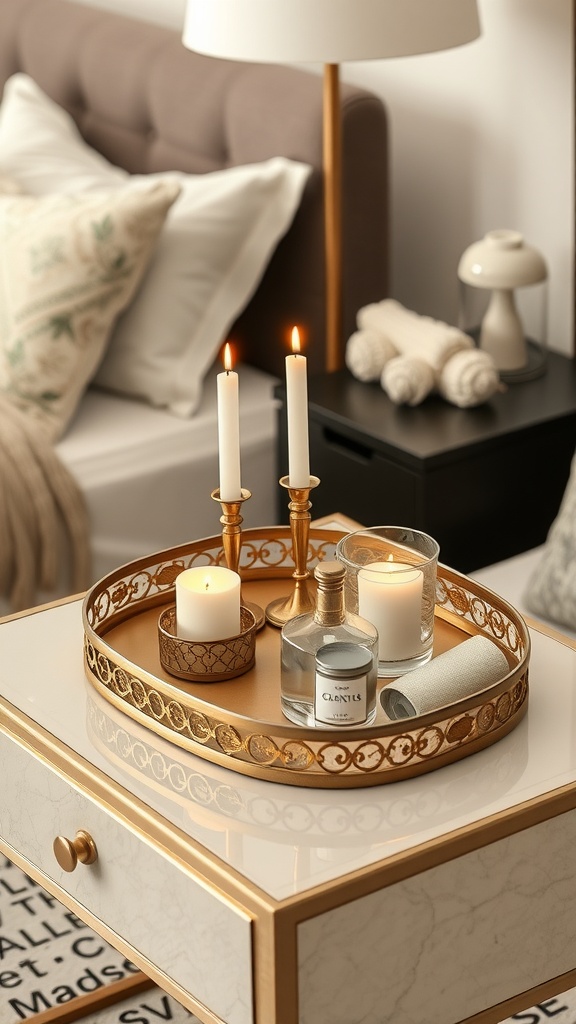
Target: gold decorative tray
[(239, 723)]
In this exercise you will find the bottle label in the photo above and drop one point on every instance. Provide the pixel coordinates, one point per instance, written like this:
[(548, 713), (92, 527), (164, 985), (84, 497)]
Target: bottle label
[(340, 701)]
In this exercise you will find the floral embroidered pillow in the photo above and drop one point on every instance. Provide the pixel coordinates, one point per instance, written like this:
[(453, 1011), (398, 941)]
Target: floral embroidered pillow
[(69, 265)]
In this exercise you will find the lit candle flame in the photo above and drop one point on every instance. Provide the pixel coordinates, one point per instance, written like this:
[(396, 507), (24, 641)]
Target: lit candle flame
[(227, 357), (295, 341)]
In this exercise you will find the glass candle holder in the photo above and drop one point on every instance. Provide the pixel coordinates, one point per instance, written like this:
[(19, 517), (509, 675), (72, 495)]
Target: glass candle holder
[(391, 582)]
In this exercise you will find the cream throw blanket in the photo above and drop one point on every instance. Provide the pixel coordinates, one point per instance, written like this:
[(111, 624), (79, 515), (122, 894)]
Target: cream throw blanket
[(38, 498)]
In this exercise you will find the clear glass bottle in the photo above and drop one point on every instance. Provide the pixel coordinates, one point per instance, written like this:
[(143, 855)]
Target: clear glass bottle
[(324, 682)]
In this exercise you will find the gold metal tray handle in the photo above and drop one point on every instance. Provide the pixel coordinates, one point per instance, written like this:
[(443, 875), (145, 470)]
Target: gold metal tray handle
[(69, 851)]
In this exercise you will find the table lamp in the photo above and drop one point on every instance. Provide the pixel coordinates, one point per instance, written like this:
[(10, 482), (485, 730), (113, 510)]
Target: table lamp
[(329, 32), (501, 266)]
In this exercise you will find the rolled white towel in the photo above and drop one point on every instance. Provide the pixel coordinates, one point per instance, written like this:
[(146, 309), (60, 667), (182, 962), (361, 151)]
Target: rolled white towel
[(413, 334), (407, 380), (470, 667), (367, 352), (469, 378)]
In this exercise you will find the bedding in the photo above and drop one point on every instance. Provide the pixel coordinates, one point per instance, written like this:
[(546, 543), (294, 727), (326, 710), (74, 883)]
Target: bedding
[(148, 475), (217, 240), (37, 495), (96, 101)]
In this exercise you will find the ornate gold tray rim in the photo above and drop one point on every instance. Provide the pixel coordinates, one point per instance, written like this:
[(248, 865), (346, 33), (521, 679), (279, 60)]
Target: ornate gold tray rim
[(384, 752)]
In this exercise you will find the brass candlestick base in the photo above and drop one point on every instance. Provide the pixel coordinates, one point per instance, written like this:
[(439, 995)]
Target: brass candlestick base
[(232, 542), (300, 600)]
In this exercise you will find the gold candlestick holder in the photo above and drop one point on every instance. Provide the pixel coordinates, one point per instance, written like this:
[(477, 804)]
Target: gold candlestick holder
[(231, 520), (300, 600)]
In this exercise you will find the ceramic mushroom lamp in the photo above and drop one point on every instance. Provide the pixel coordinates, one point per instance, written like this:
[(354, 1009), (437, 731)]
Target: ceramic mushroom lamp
[(500, 264)]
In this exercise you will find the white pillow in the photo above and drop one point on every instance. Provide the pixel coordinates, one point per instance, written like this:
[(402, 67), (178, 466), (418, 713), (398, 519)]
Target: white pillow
[(211, 255), (68, 266), (551, 589)]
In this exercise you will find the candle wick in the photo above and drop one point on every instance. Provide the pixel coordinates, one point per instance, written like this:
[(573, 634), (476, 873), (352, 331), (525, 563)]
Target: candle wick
[(206, 585)]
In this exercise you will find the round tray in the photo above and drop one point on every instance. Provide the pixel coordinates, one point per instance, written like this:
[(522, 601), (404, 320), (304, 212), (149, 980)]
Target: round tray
[(239, 723)]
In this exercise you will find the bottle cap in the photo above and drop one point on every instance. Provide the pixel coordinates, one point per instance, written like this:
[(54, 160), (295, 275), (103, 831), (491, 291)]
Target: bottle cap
[(329, 572)]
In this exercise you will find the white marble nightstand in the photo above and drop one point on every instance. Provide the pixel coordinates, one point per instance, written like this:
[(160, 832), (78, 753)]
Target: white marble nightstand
[(426, 901)]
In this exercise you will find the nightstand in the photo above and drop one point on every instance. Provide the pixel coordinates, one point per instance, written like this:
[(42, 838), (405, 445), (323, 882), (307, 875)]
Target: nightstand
[(441, 898), (485, 482)]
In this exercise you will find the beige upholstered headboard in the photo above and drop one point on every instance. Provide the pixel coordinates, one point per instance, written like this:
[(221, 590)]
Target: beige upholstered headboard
[(148, 104)]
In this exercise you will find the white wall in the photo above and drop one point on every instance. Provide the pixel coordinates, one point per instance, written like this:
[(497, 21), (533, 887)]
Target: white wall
[(482, 137)]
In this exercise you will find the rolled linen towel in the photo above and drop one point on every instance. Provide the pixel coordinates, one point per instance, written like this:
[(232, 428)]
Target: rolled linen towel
[(469, 378), (367, 353), (413, 334), (407, 380), (466, 669)]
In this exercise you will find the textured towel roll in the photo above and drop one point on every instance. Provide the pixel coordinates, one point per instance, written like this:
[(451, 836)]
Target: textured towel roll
[(413, 334), (469, 378), (367, 353), (466, 669), (407, 380)]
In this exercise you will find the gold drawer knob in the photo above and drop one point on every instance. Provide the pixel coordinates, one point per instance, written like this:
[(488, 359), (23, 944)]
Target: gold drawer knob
[(68, 852)]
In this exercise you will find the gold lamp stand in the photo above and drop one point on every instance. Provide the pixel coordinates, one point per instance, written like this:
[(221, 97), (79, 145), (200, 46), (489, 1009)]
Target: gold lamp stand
[(332, 158)]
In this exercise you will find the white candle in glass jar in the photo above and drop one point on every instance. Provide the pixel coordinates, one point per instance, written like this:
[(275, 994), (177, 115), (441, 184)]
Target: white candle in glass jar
[(390, 597), (229, 431), (297, 415), (207, 603)]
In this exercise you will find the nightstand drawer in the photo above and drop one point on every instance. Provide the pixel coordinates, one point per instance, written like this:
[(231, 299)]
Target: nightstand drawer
[(193, 934), (373, 488)]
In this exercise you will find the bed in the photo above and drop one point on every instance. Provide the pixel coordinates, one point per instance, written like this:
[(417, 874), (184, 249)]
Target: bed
[(96, 101)]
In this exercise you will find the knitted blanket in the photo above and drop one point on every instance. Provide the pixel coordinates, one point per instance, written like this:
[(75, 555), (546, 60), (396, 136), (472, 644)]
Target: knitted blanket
[(40, 502)]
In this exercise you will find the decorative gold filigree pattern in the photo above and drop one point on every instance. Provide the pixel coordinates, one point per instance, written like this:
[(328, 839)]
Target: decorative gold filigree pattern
[(382, 754), (259, 551), (210, 660), (477, 609)]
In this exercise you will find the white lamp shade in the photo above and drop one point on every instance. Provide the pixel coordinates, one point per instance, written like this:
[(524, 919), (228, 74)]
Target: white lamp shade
[(327, 31), (501, 260)]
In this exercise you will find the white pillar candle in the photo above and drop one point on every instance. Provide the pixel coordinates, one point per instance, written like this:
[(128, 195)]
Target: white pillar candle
[(297, 413), (207, 603), (390, 597), (229, 431)]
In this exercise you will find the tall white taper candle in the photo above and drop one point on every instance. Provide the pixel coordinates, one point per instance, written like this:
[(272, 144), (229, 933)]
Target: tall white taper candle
[(297, 414), (229, 431)]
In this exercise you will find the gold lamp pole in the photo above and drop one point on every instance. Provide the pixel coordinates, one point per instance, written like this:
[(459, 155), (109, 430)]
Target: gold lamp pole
[(303, 31), (332, 156), (313, 31)]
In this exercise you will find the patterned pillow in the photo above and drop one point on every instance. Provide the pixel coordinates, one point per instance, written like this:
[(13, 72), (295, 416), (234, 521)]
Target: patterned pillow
[(551, 590), (210, 258), (69, 264)]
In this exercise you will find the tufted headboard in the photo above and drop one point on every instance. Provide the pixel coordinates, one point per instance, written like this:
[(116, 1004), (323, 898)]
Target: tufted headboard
[(148, 104)]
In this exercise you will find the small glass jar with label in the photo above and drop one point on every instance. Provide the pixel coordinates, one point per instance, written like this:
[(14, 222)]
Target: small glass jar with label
[(343, 684)]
